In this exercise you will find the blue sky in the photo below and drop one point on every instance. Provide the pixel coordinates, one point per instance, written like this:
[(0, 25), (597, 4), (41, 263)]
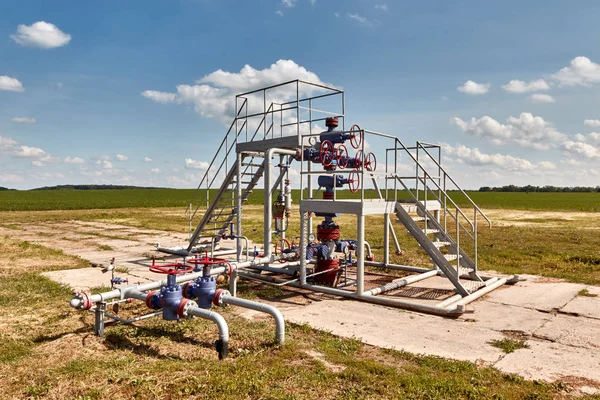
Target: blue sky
[(73, 74)]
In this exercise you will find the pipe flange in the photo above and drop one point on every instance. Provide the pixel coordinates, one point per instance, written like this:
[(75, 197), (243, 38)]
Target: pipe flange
[(149, 297), (219, 295), (86, 302), (184, 306)]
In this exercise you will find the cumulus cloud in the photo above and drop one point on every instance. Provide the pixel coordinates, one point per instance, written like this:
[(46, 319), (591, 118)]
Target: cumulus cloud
[(104, 162), (213, 96), (7, 143), (193, 164), (474, 157), (542, 98), (592, 122), (31, 152), (382, 7), (581, 149), (288, 3), (24, 120), (526, 130), (582, 71), (517, 86), (159, 97), (10, 84), (147, 159), (121, 157), (155, 170), (73, 160), (470, 87), (37, 163), (41, 34)]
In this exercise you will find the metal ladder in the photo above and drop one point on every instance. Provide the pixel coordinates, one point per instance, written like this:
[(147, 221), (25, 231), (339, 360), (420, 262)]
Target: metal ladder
[(442, 239), (222, 211)]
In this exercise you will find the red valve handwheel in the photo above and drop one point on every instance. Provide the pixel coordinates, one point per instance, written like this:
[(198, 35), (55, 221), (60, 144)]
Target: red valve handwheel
[(370, 162), (327, 153), (206, 260), (356, 136), (171, 269), (358, 159), (342, 156), (353, 182)]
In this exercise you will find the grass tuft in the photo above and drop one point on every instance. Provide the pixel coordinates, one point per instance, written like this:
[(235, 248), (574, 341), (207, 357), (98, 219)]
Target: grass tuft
[(508, 345)]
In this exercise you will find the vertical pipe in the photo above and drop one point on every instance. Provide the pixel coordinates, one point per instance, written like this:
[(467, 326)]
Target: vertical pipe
[(303, 244), (233, 282), (238, 207), (360, 261), (267, 202), (475, 238), (99, 319), (386, 238)]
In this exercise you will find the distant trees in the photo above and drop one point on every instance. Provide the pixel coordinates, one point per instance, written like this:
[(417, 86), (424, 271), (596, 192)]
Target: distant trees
[(93, 187), (547, 188)]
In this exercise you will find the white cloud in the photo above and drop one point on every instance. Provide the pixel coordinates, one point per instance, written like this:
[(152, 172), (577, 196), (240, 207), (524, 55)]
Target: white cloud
[(470, 87), (103, 161), (155, 170), (193, 164), (37, 163), (7, 143), (581, 149), (31, 152), (147, 159), (592, 138), (474, 157), (517, 86), (592, 122), (10, 178), (48, 175), (10, 84), (582, 71), (542, 98), (288, 3), (74, 160), (41, 34), (336, 14), (213, 96), (121, 157), (382, 7), (526, 130), (279, 12), (24, 120), (359, 18), (159, 97)]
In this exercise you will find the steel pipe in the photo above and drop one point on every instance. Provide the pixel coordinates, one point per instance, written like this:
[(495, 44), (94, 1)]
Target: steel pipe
[(260, 307), (223, 343), (398, 283)]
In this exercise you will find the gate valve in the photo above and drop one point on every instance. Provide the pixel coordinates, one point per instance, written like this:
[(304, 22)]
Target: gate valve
[(168, 299)]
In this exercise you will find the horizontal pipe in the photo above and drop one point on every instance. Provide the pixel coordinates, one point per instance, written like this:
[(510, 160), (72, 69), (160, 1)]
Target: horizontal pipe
[(411, 268), (457, 297), (475, 295), (134, 319), (260, 307), (398, 283), (221, 324)]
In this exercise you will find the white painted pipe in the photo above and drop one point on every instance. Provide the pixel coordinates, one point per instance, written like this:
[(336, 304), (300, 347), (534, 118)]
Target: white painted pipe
[(398, 283), (221, 324), (260, 307)]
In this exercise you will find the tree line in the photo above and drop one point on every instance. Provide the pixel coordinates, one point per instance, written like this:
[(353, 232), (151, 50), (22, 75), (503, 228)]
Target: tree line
[(547, 188)]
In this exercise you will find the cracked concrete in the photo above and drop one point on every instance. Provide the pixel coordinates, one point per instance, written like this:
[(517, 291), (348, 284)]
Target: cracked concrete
[(559, 324)]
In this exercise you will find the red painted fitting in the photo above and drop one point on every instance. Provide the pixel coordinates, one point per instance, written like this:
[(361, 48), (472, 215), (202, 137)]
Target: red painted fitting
[(149, 299), (327, 265), (229, 268), (85, 298), (331, 122), (184, 289), (327, 195), (370, 258), (181, 308), (328, 233), (217, 298)]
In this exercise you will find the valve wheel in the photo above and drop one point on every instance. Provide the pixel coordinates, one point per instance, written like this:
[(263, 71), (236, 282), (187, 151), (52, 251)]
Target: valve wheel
[(353, 182), (172, 269), (327, 153), (342, 156), (283, 242), (356, 136), (358, 159), (370, 162), (206, 260)]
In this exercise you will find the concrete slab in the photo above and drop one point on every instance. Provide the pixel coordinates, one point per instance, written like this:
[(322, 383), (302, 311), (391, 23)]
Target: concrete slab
[(505, 318), (536, 295), (552, 361), (588, 306), (572, 331), (393, 328)]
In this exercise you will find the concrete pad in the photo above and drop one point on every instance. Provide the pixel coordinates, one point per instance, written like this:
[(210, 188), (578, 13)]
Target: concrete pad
[(402, 330), (572, 331), (504, 318), (585, 306), (536, 295), (552, 361)]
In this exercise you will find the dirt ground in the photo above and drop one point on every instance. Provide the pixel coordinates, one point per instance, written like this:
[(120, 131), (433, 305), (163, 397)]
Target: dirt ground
[(558, 320)]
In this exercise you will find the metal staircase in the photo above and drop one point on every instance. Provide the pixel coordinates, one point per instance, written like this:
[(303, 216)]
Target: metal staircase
[(440, 226)]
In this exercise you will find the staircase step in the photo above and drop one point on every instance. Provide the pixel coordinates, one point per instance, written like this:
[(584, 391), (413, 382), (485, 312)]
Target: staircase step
[(472, 286), (451, 257), (431, 231), (441, 244), (251, 165)]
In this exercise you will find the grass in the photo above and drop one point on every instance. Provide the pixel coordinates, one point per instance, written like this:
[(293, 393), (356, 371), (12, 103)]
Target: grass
[(48, 349), (508, 345), (105, 247), (43, 200), (586, 293)]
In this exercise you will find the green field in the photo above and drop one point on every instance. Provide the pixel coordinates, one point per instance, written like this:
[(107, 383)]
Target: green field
[(41, 200)]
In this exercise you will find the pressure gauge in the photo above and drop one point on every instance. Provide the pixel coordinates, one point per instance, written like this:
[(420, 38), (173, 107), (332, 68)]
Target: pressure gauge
[(311, 238), (312, 140)]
